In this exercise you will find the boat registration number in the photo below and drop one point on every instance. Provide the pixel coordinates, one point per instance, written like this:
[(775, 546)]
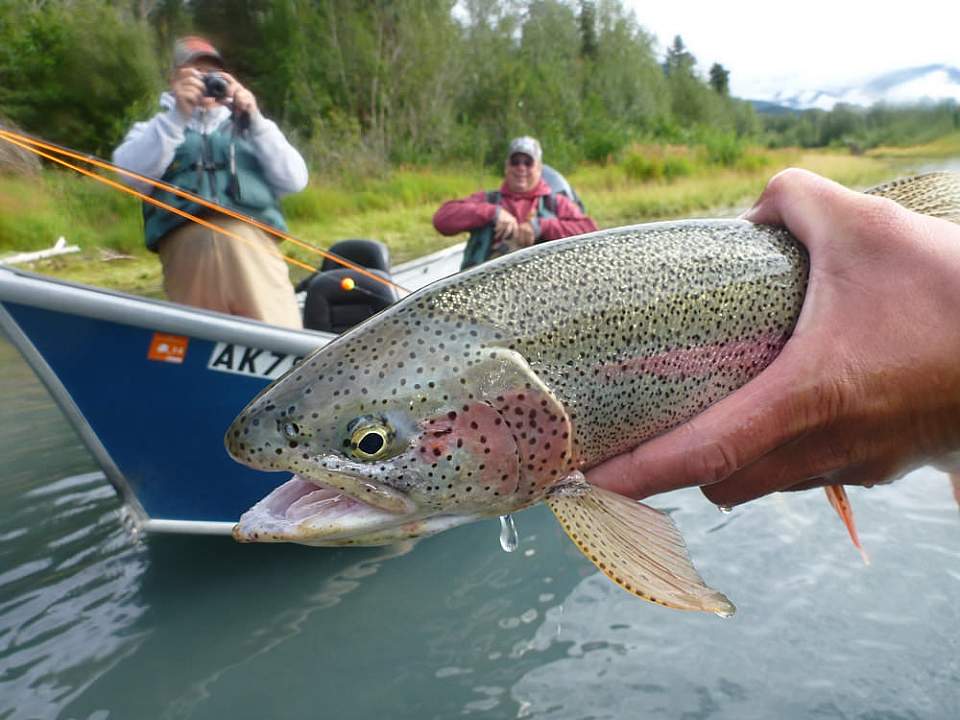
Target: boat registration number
[(242, 360)]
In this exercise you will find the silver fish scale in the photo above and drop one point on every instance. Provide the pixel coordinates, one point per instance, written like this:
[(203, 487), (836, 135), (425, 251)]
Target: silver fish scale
[(638, 329)]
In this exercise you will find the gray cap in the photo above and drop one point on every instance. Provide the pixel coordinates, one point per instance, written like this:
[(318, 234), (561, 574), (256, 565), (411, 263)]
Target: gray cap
[(526, 145)]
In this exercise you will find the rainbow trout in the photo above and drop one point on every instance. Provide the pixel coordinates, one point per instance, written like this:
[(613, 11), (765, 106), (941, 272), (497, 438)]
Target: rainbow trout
[(493, 390)]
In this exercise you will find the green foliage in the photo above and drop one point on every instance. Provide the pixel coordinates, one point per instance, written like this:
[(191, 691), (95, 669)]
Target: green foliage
[(74, 72), (589, 44), (723, 149), (362, 88), (656, 164), (720, 79), (859, 129)]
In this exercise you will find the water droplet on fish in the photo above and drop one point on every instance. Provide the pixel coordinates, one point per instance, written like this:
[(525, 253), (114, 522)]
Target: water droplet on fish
[(725, 509), (509, 540)]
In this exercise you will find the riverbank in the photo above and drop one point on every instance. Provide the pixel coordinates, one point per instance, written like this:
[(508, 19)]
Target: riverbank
[(648, 183)]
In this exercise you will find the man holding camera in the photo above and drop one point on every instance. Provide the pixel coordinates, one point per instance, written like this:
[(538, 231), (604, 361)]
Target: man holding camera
[(211, 140)]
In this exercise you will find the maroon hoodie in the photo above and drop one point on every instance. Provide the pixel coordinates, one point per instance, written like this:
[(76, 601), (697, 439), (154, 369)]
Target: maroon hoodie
[(457, 216)]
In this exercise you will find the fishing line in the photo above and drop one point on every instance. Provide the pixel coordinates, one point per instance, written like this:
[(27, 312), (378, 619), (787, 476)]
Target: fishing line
[(27, 142), (146, 198)]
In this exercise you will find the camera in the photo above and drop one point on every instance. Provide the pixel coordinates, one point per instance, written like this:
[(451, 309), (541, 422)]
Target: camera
[(214, 85)]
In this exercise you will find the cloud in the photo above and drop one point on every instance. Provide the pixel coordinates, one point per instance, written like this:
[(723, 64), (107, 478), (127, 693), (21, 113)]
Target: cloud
[(771, 47)]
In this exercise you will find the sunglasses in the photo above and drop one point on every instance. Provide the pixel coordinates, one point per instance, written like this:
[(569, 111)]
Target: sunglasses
[(519, 159)]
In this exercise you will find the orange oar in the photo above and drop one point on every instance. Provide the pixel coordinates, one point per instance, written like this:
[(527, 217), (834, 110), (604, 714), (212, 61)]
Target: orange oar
[(838, 499)]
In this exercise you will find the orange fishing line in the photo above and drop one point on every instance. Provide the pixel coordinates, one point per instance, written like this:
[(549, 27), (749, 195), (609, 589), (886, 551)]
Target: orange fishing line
[(27, 142)]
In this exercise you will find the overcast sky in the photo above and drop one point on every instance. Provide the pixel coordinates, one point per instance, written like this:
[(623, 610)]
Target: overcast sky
[(806, 44)]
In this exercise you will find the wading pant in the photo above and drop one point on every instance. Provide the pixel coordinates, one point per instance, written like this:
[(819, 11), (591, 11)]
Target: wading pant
[(241, 277)]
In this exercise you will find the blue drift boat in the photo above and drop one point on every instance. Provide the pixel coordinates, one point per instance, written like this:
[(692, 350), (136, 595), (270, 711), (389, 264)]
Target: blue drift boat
[(151, 386)]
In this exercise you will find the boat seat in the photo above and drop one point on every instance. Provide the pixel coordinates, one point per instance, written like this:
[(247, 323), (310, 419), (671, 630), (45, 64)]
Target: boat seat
[(368, 253), (331, 308)]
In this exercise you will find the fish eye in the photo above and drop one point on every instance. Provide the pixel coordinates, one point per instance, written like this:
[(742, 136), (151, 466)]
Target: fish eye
[(369, 442), (291, 430)]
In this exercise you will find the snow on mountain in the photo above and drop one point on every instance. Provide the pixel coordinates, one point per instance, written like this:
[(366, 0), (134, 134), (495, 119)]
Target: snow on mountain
[(930, 83)]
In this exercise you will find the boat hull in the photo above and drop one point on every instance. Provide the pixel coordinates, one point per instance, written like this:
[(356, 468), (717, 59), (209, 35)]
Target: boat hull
[(151, 387)]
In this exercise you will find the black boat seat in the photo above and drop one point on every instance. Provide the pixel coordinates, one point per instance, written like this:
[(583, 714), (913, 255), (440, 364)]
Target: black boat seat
[(367, 253), (331, 308)]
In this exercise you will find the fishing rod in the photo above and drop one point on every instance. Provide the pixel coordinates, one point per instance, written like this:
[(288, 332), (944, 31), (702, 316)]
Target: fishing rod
[(37, 145)]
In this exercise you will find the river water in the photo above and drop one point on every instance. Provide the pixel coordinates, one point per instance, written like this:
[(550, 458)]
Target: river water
[(98, 623)]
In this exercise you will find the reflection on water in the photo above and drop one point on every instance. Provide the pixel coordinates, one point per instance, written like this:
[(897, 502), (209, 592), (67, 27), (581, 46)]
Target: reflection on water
[(817, 634), (97, 624)]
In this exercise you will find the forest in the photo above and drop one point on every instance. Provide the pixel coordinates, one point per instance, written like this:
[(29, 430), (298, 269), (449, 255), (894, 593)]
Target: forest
[(366, 86)]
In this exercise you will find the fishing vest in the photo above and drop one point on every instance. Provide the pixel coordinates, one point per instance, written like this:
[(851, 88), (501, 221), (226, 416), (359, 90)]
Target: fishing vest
[(480, 246), (220, 166)]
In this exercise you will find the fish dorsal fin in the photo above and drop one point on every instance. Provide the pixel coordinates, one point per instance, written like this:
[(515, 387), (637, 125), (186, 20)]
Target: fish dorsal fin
[(936, 194), (637, 547)]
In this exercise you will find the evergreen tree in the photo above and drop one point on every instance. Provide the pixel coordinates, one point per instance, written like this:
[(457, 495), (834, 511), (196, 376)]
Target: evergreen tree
[(588, 29), (720, 79), (679, 60)]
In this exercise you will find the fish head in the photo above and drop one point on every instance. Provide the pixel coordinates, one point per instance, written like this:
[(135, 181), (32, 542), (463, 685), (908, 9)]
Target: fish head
[(389, 441)]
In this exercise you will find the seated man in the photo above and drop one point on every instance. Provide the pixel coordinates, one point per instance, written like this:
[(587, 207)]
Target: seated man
[(523, 212), (210, 139)]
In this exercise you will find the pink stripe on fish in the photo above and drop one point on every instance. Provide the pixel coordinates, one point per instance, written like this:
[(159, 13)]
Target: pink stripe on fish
[(702, 360)]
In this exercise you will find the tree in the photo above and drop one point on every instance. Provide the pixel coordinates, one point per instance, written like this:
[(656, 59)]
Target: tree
[(588, 29), (720, 79), (679, 60), (74, 72)]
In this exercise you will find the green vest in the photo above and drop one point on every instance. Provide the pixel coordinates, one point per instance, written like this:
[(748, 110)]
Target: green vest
[(480, 246), (202, 165)]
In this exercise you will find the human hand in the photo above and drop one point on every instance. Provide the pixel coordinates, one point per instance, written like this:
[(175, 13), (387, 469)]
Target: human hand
[(506, 225), (867, 387), (186, 86), (524, 237), (243, 100)]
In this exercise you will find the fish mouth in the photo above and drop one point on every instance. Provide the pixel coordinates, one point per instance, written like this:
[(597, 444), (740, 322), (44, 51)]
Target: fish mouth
[(307, 511)]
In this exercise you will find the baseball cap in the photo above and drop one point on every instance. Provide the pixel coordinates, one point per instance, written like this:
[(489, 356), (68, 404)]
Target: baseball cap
[(190, 48), (526, 145)]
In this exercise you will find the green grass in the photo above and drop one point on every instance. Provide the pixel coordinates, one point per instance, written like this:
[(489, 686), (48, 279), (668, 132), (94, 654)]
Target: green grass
[(945, 147), (647, 183)]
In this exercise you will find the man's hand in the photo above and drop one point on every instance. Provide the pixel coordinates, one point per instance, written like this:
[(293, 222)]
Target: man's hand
[(506, 226), (867, 387), (524, 236), (243, 100), (187, 88)]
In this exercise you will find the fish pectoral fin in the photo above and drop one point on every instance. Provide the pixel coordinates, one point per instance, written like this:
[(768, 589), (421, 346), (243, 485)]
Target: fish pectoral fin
[(837, 496), (637, 547)]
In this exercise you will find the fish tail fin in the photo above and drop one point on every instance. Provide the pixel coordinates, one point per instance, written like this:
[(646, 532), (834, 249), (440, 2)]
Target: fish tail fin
[(841, 503), (637, 547), (936, 194)]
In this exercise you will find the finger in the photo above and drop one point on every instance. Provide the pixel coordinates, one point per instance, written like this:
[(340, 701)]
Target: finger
[(810, 485), (801, 466), (806, 204), (793, 463)]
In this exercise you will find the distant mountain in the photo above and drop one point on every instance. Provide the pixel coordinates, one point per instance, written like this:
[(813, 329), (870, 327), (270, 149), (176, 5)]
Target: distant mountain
[(930, 83), (770, 108)]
